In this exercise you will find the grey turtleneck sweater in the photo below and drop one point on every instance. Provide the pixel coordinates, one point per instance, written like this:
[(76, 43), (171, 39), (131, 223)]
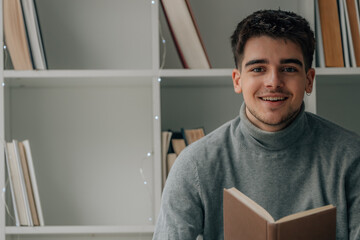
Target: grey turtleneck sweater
[(311, 163)]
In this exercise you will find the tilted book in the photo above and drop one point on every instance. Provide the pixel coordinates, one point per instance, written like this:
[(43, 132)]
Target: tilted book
[(331, 33), (15, 35), (186, 34), (245, 219)]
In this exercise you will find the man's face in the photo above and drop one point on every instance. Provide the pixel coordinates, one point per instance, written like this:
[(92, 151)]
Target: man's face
[(273, 81)]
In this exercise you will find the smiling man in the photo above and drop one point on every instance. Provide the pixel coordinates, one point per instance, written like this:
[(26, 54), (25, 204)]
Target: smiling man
[(273, 80), (282, 157)]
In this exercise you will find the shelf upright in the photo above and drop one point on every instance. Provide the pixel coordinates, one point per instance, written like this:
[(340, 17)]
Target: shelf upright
[(2, 132), (156, 81)]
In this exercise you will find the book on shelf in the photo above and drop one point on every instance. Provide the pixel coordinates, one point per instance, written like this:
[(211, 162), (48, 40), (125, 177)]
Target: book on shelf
[(18, 186), (28, 185), (173, 143), (319, 41), (345, 37), (165, 145), (29, 158), (192, 135), (34, 34), (245, 219), (350, 49), (14, 183), (178, 144), (331, 33), (171, 157), (15, 35), (186, 34), (353, 14), (23, 185)]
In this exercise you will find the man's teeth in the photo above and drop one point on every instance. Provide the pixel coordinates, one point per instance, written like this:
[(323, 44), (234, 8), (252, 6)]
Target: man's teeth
[(273, 98)]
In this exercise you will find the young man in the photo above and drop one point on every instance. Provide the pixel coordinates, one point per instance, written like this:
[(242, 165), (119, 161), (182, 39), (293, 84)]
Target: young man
[(282, 157)]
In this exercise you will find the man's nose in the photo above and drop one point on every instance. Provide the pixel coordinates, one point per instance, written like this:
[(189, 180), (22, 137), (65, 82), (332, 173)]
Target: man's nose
[(274, 79)]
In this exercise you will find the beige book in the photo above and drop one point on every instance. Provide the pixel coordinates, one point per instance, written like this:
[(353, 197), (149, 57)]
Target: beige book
[(178, 145), (15, 35), (28, 184), (192, 135), (185, 34), (171, 157), (14, 174)]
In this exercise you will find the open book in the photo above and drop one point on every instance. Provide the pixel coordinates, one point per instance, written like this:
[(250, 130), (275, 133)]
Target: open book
[(245, 219)]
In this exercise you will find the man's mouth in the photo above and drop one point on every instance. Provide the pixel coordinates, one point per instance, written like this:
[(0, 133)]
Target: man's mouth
[(273, 99)]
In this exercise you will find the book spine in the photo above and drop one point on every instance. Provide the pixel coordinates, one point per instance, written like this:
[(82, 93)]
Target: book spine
[(15, 35), (34, 182), (197, 31), (173, 35), (271, 231), (330, 28), (354, 27), (22, 183), (12, 190)]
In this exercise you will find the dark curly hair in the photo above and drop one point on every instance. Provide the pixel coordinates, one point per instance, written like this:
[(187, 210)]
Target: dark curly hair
[(276, 24)]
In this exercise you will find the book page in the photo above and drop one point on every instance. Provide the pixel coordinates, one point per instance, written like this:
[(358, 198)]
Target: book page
[(251, 204), (305, 213)]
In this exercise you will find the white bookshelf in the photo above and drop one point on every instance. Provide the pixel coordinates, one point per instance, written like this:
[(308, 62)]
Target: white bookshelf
[(92, 118)]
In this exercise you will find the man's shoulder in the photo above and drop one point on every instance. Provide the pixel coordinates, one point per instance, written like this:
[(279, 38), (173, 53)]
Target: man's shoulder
[(329, 131)]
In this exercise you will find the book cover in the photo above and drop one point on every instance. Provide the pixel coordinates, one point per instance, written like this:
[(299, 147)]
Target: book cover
[(331, 35), (22, 173), (245, 219), (34, 34), (178, 144), (15, 35), (344, 34), (20, 202), (319, 42), (353, 13), (28, 184), (349, 36), (12, 187), (192, 135), (165, 144), (171, 157), (185, 34), (29, 158)]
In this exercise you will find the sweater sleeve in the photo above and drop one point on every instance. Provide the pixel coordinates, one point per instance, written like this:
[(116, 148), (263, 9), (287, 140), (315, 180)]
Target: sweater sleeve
[(181, 212), (353, 199)]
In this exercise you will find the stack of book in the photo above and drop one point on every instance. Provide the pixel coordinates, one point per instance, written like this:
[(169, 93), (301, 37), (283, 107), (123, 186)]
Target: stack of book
[(22, 35), (337, 33), (173, 143), (23, 186)]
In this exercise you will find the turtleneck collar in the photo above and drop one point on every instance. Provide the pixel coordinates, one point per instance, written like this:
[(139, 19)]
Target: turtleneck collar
[(274, 140)]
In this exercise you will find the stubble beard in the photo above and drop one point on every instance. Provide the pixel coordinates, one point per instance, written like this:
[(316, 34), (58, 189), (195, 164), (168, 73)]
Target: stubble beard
[(285, 120)]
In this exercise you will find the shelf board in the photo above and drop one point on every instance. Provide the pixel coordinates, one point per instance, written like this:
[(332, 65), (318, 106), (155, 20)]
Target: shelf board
[(143, 73), (223, 72), (77, 73), (79, 230), (116, 73), (337, 71)]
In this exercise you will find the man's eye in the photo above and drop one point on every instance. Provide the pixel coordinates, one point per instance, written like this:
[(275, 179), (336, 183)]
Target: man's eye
[(258, 69), (289, 69)]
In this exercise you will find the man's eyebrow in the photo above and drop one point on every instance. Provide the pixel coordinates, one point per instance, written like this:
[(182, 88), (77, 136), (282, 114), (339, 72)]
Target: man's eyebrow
[(256, 61), (291, 60)]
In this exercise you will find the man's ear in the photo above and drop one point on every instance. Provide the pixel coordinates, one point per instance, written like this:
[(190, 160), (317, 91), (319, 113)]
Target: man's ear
[(236, 80), (310, 76)]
